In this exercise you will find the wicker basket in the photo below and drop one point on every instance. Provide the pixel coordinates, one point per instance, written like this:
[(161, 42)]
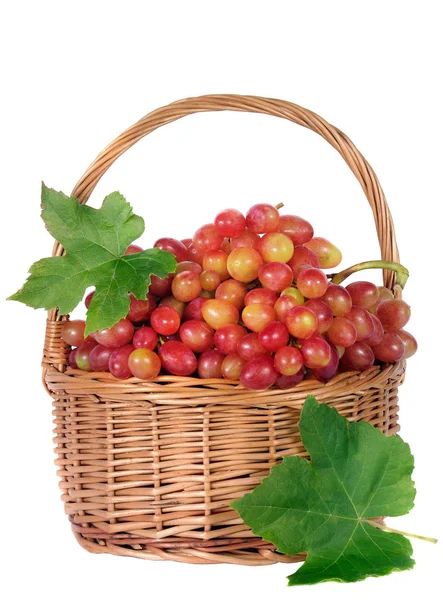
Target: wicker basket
[(148, 469)]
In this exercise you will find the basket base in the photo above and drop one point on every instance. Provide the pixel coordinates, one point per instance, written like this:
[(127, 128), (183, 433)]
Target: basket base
[(222, 552)]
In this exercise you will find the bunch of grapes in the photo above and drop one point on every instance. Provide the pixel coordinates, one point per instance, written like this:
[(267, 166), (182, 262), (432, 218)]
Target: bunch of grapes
[(249, 301)]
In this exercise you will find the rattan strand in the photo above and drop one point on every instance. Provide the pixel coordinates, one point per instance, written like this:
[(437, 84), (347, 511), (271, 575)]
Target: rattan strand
[(148, 469)]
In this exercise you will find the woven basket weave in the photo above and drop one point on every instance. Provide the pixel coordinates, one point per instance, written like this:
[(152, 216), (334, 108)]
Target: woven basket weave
[(148, 469)]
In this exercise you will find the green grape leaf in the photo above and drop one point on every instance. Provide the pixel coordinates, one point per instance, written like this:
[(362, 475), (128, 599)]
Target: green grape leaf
[(95, 241), (324, 506)]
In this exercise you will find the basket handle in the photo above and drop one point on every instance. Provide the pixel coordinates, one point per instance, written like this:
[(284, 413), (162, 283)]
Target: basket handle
[(278, 108)]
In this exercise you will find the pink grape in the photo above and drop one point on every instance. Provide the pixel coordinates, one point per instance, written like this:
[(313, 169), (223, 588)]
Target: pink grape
[(175, 247), (230, 222), (232, 366), (342, 332), (288, 360), (193, 310), (249, 346), (177, 358), (195, 254), (144, 363), (227, 337), (296, 228), (409, 341), (246, 239), (197, 335), (145, 337), (377, 335), (363, 293), (393, 314), (338, 299), (390, 349), (362, 321), (323, 313), (259, 373), (358, 357), (99, 358), (273, 336), (312, 283), (140, 310), (316, 352), (207, 238), (285, 382), (118, 335), (161, 287), (209, 365), (165, 320), (262, 218), (73, 332), (275, 276), (118, 362), (301, 322)]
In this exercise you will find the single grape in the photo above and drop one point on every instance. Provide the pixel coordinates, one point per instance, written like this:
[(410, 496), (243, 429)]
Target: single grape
[(284, 305), (186, 241), (197, 335), (193, 310), (246, 239), (358, 357), (161, 287), (195, 254), (232, 366), (312, 283), (73, 332), (285, 382), (393, 314), (383, 294), (363, 293), (188, 265), (377, 335), (227, 337), (210, 280), (249, 346), (118, 362), (295, 293), (301, 322), (362, 321), (230, 222), (288, 360), (261, 296), (145, 337), (144, 363), (207, 238), (133, 249), (275, 276), (175, 247), (99, 358), (328, 254), (342, 332), (186, 286), (72, 359), (257, 316), (316, 352), (209, 365), (219, 312), (338, 299), (409, 341), (323, 313), (303, 256), (226, 246), (390, 349), (273, 336), (89, 298), (296, 228), (276, 247), (259, 373), (216, 260), (172, 302), (165, 320), (140, 310), (233, 291), (243, 264), (177, 358), (118, 335), (262, 218), (326, 373)]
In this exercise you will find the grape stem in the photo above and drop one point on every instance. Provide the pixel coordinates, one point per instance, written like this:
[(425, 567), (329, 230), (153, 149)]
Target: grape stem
[(401, 277), (390, 530), (279, 205)]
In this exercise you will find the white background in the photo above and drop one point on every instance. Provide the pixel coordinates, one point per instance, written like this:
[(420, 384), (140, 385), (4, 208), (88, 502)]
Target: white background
[(76, 74)]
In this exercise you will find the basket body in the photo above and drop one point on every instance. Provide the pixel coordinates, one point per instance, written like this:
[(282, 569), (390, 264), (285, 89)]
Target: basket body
[(148, 469)]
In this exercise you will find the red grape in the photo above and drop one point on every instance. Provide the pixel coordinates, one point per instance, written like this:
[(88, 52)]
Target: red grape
[(83, 352), (393, 314), (383, 294), (186, 286), (140, 310), (177, 358), (99, 358), (357, 357), (144, 363), (338, 299), (243, 264), (390, 349), (249, 346), (273, 336), (145, 337), (326, 373), (209, 365), (118, 362), (288, 360), (262, 218), (284, 305), (175, 247), (193, 310), (362, 321), (409, 341), (216, 260), (172, 302), (72, 361), (323, 313), (218, 313), (303, 256), (328, 254), (316, 352), (226, 338), (197, 335), (209, 280), (312, 283), (301, 322), (285, 382), (89, 298), (363, 293), (207, 238), (276, 247), (259, 373), (275, 276), (165, 320), (188, 265), (161, 287), (118, 335), (230, 222), (195, 254), (299, 230), (261, 296), (342, 332), (377, 335), (233, 291), (246, 239), (257, 316), (133, 249), (232, 366), (73, 332)]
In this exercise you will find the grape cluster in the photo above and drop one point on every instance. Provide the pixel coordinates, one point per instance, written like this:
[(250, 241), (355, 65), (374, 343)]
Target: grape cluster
[(249, 301)]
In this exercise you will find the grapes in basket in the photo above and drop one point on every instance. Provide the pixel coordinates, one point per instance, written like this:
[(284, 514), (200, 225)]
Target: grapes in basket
[(250, 300)]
